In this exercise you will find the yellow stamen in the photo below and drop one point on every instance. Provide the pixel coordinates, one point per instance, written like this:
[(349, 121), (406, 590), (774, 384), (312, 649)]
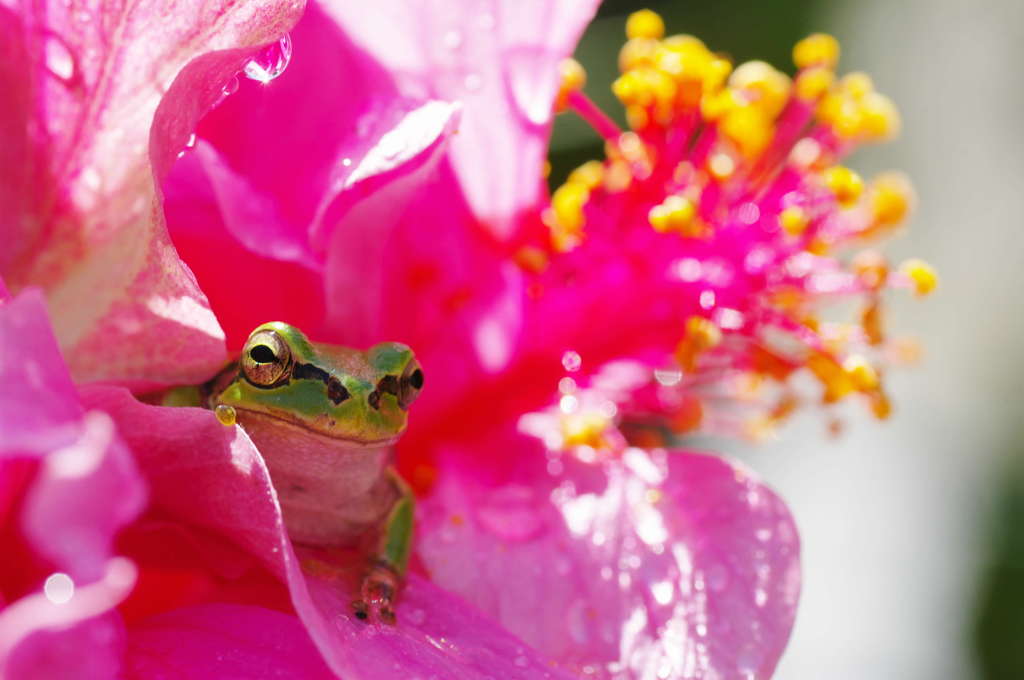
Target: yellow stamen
[(814, 82), (645, 24), (921, 274), (844, 183), (749, 128), (819, 49), (573, 78), (584, 429), (861, 373), (638, 52), (590, 175), (794, 220), (872, 323), (830, 374), (701, 335), (762, 86), (891, 199), (880, 404)]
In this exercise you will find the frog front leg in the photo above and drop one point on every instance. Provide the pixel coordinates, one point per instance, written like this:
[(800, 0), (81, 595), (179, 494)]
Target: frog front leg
[(391, 558)]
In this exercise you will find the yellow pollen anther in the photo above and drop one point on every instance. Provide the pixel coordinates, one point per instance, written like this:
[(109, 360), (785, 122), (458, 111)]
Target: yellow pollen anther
[(844, 183), (749, 128), (675, 213), (857, 85), (862, 374), (880, 404), (762, 86), (573, 78), (891, 199), (921, 274), (584, 429), (814, 82), (590, 175), (817, 49), (638, 52), (225, 414), (793, 220), (701, 335), (880, 119), (645, 24), (872, 323), (831, 375)]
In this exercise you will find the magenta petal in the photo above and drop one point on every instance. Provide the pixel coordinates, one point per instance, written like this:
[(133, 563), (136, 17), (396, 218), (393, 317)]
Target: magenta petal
[(84, 490), (97, 76), (663, 564), (500, 60), (206, 474), (223, 641)]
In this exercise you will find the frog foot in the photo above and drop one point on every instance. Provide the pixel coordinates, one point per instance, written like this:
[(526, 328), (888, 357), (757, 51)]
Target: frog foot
[(380, 586)]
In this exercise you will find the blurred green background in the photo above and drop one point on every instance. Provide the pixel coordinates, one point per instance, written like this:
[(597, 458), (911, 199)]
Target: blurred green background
[(913, 530)]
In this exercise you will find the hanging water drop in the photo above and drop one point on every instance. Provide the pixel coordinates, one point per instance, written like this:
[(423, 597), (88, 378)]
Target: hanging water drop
[(189, 144), (270, 62)]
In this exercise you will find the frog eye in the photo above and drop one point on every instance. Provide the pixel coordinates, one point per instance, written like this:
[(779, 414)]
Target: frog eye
[(410, 384), (265, 358)]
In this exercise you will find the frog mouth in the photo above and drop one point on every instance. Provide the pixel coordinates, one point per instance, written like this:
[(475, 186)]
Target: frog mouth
[(301, 428)]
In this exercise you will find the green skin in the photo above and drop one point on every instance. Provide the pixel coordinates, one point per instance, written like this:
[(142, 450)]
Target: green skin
[(325, 419)]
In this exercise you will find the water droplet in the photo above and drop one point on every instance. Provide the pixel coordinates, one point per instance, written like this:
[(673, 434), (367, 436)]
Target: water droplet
[(346, 162), (230, 87), (568, 403), (59, 588), (555, 467), (59, 60), (189, 144), (763, 534), (473, 82), (521, 661), (571, 361), (452, 40), (606, 573), (707, 299), (663, 591), (270, 62), (688, 269), (700, 629), (566, 385), (760, 597)]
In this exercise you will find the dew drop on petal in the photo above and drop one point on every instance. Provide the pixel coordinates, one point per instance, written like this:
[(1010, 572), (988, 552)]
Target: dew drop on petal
[(59, 588), (270, 62), (707, 299), (571, 361), (749, 213), (668, 376), (566, 385), (521, 661), (230, 87), (59, 60)]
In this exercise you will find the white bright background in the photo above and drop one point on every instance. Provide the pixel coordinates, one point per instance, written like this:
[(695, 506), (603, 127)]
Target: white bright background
[(892, 515)]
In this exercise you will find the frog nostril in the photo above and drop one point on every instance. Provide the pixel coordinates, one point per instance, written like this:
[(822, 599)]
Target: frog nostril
[(336, 392)]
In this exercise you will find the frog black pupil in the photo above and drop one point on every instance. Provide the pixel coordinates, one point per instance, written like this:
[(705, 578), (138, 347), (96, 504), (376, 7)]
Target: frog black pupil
[(416, 379), (262, 354)]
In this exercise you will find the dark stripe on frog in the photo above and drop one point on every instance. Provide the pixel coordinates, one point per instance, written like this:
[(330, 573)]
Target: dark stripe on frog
[(336, 392), (389, 384)]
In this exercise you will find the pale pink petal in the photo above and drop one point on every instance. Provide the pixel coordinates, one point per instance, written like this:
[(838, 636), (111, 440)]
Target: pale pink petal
[(662, 564), (223, 641), (500, 59), (205, 474), (82, 491), (95, 153)]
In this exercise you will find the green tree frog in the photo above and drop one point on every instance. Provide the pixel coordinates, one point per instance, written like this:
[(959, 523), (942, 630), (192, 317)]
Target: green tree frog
[(326, 418)]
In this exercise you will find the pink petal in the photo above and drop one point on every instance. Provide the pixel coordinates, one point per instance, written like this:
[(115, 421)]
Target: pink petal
[(205, 474), (663, 564), (97, 78), (223, 641), (500, 60), (84, 489)]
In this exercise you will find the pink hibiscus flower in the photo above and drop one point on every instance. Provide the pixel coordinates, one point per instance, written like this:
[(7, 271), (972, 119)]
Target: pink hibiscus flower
[(554, 336)]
